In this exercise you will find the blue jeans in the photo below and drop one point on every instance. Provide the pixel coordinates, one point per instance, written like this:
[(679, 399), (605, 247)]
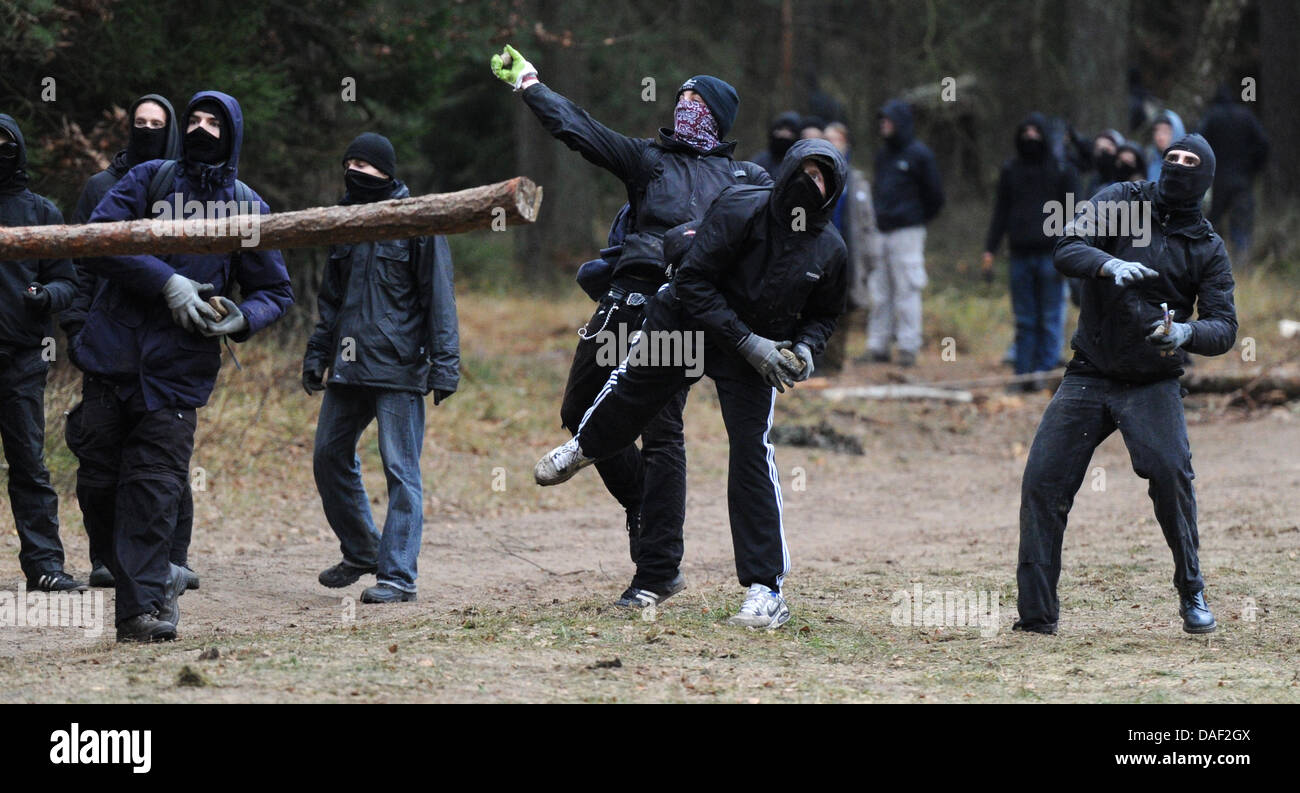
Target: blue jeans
[(1037, 298), (344, 415)]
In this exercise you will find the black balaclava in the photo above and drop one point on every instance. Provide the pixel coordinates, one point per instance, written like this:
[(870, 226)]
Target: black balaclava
[(13, 157), (1180, 188), (8, 161), (1031, 149), (363, 188), (200, 145), (777, 146), (145, 144), (801, 190)]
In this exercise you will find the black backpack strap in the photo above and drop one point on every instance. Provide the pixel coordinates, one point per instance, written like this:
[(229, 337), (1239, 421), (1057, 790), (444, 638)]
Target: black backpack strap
[(162, 183)]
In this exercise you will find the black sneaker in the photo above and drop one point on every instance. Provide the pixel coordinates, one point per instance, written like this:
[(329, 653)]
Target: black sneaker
[(636, 598), (101, 577), (384, 593), (146, 628), (171, 608), (344, 574), (57, 581), (191, 577)]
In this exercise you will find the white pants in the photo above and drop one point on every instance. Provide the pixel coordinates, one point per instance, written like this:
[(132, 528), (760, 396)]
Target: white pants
[(895, 290)]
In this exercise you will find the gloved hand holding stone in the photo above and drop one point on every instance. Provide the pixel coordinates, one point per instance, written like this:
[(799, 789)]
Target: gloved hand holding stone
[(188, 309)]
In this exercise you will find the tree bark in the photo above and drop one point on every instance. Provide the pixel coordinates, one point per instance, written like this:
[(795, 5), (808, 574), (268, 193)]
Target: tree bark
[(511, 202), (1279, 21), (1097, 62), (1215, 43)]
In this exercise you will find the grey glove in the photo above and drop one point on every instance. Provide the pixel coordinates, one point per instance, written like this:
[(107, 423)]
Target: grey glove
[(1126, 273), (1179, 334), (188, 309), (805, 354), (766, 358), (233, 322)]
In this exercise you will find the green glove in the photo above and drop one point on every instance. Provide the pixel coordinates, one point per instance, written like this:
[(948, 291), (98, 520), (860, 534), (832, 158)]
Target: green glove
[(511, 67)]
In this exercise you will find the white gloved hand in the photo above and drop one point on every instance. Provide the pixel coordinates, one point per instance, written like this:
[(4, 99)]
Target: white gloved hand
[(188, 309)]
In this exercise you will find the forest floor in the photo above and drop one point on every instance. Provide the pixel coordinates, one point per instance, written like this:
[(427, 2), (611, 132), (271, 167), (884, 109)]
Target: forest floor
[(516, 582)]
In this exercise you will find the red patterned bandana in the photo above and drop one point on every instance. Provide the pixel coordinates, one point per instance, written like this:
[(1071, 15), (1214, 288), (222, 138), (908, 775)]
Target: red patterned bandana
[(695, 126)]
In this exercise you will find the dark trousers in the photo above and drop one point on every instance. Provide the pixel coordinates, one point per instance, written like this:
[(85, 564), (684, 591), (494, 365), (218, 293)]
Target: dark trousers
[(635, 394), (22, 430), (1082, 414), (1038, 300), (99, 501), (1236, 203), (135, 465), (650, 481)]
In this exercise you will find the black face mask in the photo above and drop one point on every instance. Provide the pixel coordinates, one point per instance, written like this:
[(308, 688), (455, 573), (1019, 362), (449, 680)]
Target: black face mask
[(1180, 185), (802, 192), (364, 187), (1031, 148), (203, 147), (779, 146), (147, 143), (8, 160), (1105, 166)]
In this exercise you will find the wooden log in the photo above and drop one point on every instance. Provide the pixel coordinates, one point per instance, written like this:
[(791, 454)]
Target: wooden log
[(497, 205)]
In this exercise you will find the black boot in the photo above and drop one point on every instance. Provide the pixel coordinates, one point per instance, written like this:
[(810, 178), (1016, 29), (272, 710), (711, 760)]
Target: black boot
[(145, 628), (101, 577), (1196, 613)]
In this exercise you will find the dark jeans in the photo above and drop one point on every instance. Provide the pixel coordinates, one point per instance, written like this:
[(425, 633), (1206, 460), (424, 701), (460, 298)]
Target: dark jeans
[(1038, 300), (1082, 414), (22, 430), (650, 481), (134, 472), (1237, 203), (97, 494), (635, 394), (344, 414)]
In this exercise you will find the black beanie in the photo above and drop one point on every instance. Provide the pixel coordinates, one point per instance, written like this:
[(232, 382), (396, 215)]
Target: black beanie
[(374, 149), (718, 95)]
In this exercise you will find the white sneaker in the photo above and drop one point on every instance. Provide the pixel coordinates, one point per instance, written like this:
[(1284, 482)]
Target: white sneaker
[(763, 608), (561, 463)]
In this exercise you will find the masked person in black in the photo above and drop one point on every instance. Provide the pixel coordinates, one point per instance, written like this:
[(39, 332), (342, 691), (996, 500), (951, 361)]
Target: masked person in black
[(1125, 370), (669, 180), (781, 135), (30, 291), (388, 336), (154, 135), (763, 284)]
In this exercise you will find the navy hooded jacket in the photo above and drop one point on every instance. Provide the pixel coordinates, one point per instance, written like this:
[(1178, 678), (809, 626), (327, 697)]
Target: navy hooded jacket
[(907, 190), (20, 327), (129, 335)]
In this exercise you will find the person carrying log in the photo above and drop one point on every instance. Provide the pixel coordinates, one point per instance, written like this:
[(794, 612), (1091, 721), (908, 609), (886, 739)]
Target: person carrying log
[(31, 289), (670, 180), (1128, 356), (150, 352), (388, 336)]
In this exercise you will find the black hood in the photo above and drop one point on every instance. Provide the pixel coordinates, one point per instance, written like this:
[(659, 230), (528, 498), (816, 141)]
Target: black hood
[(19, 180), (837, 175), (1180, 189), (123, 161), (899, 112), (1038, 121)]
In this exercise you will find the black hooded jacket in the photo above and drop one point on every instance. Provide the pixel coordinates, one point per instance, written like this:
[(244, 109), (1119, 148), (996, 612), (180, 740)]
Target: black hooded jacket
[(907, 190), (74, 316), (1114, 321), (1026, 184), (1238, 139), (668, 182), (388, 315), (20, 327), (751, 268), (769, 159)]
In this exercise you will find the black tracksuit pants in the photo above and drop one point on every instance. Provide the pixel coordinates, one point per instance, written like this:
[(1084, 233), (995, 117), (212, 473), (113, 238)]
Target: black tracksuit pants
[(635, 394), (135, 466), (649, 482), (98, 502), (1084, 412), (22, 430)]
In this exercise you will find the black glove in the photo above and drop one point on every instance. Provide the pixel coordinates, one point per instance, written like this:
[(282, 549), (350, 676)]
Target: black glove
[(439, 395), (313, 380), (37, 298)]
